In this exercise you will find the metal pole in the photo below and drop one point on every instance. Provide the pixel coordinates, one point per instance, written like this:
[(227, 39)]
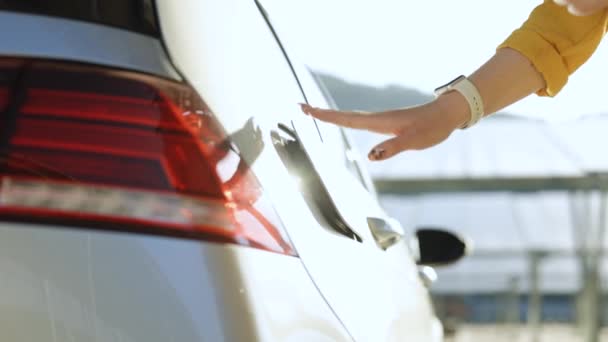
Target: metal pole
[(582, 230), (592, 289), (590, 305), (511, 308), (535, 296), (512, 301), (590, 252)]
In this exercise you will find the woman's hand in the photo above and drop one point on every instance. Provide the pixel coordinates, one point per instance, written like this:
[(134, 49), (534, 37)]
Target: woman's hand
[(413, 128), (504, 79)]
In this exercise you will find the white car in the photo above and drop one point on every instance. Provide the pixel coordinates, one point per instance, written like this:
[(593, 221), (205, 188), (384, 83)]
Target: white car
[(159, 183)]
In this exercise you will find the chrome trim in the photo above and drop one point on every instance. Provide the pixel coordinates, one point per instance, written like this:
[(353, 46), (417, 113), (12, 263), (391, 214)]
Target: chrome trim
[(27, 35), (386, 232), (428, 275)]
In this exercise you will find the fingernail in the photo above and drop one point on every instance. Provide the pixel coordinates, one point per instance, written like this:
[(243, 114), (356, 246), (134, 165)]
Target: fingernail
[(303, 108), (377, 153)]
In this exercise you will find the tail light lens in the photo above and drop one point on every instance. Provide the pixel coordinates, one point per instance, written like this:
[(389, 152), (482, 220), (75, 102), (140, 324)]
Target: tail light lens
[(86, 146)]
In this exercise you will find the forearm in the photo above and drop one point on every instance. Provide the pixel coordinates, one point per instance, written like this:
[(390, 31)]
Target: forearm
[(537, 58), (504, 79)]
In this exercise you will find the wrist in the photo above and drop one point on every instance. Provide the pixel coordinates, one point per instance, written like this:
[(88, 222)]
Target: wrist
[(454, 108)]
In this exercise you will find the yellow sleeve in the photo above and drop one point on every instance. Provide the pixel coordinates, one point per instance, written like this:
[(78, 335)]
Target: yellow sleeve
[(557, 43)]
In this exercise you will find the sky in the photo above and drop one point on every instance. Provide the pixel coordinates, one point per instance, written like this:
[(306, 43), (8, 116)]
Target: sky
[(423, 44)]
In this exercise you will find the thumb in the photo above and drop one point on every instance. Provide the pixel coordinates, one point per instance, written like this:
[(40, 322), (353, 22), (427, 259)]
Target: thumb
[(390, 147)]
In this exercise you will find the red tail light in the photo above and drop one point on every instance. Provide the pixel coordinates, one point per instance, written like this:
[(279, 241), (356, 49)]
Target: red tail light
[(117, 150)]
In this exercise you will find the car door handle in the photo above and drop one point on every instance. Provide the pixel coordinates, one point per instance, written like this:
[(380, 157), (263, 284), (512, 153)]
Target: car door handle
[(386, 232), (314, 190)]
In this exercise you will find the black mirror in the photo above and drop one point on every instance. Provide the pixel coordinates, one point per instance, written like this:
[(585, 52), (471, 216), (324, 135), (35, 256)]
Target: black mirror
[(438, 247)]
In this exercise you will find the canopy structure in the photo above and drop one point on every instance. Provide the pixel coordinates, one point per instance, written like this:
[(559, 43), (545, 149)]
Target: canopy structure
[(512, 185), (502, 153), (531, 195)]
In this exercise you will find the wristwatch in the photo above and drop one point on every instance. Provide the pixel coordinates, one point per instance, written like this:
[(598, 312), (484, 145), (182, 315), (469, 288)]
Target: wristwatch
[(465, 87)]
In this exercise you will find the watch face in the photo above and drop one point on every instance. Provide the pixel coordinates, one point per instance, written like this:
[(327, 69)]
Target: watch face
[(442, 88)]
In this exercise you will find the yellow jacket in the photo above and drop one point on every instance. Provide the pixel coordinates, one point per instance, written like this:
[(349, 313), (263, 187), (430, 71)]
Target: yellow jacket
[(557, 42)]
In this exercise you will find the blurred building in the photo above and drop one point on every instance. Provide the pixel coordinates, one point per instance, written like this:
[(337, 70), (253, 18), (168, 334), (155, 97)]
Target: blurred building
[(527, 193)]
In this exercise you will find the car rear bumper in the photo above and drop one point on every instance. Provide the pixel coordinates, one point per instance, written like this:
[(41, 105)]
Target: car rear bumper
[(60, 284)]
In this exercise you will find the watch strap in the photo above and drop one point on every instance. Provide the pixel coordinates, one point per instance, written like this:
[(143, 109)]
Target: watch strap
[(471, 94), (469, 91)]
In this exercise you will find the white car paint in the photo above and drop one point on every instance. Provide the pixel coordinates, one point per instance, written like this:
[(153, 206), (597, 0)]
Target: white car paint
[(61, 284), (376, 294), (71, 284)]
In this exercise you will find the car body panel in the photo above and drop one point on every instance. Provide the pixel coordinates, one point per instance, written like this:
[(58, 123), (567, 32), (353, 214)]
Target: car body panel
[(67, 284), (376, 294), (63, 284)]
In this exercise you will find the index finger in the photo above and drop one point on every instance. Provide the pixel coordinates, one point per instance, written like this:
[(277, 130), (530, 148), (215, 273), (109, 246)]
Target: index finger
[(348, 118)]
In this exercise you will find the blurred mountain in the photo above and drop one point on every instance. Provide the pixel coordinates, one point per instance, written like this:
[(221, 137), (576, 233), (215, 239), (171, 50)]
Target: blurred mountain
[(357, 96)]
